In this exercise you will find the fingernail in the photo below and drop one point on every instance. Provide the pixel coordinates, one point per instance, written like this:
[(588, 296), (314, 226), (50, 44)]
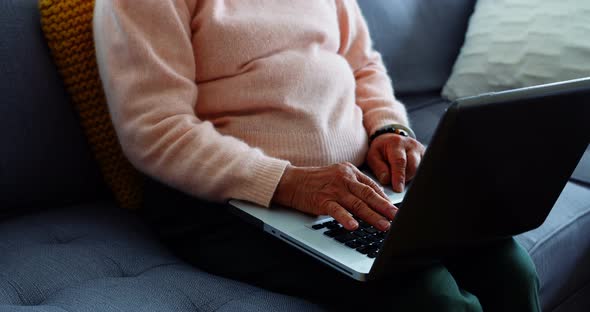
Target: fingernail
[(400, 187), (383, 225), (393, 211), (353, 224), (383, 178)]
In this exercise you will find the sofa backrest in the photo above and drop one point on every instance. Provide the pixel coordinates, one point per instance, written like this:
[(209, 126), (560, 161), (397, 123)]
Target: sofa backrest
[(418, 39), (44, 158)]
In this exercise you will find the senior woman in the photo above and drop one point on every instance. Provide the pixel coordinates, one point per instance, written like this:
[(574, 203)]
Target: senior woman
[(274, 102)]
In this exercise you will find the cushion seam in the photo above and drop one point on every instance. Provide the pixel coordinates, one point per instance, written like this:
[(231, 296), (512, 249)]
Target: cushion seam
[(53, 293)]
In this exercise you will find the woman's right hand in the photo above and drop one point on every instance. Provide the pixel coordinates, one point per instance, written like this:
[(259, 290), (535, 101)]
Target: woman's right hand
[(338, 191)]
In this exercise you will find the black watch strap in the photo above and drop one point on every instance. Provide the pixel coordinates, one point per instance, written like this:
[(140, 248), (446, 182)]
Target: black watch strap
[(395, 129)]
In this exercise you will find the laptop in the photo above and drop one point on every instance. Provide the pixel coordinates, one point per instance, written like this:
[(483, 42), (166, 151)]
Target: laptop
[(495, 167)]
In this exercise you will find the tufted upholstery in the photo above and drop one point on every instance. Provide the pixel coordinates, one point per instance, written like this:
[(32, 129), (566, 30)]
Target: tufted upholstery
[(93, 257), (98, 258), (88, 256)]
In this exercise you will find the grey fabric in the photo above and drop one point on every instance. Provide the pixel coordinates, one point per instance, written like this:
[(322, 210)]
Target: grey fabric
[(418, 39), (425, 112), (44, 160), (97, 258), (582, 172), (560, 248)]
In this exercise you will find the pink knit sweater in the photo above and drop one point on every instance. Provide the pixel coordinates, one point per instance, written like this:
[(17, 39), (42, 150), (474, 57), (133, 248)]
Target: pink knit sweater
[(217, 97)]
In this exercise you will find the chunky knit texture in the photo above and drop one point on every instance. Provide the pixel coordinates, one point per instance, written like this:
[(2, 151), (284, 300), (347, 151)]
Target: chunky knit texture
[(67, 25), (216, 97)]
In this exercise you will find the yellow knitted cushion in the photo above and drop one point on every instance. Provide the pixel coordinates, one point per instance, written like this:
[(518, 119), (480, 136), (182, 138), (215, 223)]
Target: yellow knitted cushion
[(67, 25)]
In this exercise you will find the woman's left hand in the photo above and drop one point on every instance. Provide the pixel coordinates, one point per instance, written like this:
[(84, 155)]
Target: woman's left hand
[(394, 159)]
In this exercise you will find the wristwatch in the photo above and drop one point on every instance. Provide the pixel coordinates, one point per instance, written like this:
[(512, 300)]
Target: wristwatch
[(395, 129)]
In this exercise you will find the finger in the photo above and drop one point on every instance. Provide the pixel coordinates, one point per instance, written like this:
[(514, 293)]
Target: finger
[(412, 165), (379, 167), (377, 202), (341, 215), (397, 163), (362, 178), (419, 148), (360, 209)]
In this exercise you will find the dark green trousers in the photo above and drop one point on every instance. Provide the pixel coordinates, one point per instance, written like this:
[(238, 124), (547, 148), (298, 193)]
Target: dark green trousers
[(499, 276)]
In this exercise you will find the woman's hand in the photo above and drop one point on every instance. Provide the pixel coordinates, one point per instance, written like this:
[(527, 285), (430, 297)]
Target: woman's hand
[(394, 159), (338, 190)]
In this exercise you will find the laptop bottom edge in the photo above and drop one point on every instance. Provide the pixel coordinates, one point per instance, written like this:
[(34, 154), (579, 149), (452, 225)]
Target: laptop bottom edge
[(319, 256)]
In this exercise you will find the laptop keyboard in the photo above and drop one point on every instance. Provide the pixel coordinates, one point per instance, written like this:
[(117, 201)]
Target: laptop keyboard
[(365, 239)]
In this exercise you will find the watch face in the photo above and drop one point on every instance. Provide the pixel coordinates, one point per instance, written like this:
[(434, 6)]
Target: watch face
[(401, 132), (389, 129)]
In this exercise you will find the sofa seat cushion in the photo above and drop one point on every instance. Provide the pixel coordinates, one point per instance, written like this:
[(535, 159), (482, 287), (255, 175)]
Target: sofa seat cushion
[(582, 173), (97, 258), (560, 248)]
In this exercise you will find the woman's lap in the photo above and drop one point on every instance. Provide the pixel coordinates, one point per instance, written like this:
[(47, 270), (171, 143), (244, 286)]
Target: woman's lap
[(224, 245), (498, 270), (244, 253)]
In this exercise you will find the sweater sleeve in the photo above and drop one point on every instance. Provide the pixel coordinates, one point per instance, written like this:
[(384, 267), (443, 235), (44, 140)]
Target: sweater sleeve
[(374, 92), (147, 66)]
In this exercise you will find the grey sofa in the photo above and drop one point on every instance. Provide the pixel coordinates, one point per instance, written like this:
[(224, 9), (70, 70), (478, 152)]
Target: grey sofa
[(66, 246)]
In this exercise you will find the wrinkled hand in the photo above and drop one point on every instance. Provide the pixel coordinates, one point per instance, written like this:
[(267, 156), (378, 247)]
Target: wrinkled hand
[(338, 191), (394, 159)]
